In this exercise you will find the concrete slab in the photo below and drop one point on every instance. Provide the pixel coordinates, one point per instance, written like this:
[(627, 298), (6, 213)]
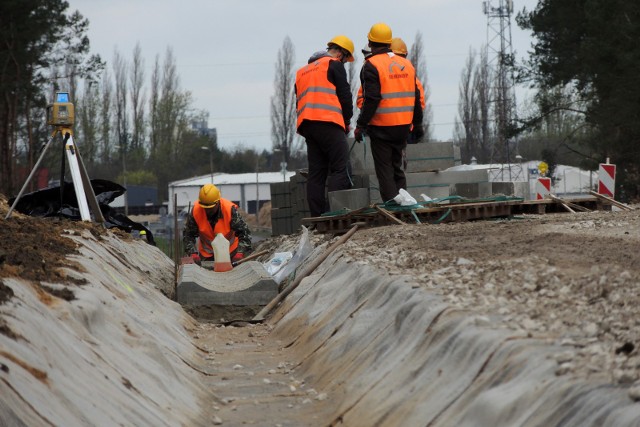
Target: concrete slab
[(247, 284), (421, 157), (433, 184), (352, 199)]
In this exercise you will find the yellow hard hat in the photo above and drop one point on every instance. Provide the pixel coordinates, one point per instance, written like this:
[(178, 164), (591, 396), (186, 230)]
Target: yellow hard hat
[(143, 233), (209, 196), (380, 33), (398, 46), (345, 43)]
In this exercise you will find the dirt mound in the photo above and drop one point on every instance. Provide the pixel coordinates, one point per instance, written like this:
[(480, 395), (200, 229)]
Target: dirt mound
[(36, 248)]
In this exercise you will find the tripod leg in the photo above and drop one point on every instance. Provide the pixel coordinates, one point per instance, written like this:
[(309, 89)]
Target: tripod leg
[(66, 136), (91, 195), (33, 171), (74, 168)]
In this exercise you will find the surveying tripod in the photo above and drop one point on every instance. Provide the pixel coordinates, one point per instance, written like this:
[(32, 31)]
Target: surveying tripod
[(81, 183)]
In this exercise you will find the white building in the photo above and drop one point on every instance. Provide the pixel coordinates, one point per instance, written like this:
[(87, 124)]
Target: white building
[(244, 189)]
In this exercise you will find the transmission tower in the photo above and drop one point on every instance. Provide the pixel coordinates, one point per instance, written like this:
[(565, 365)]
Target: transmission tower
[(500, 57)]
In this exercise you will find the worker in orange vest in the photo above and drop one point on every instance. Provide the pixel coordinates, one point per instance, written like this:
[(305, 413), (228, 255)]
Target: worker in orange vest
[(366, 52), (391, 106), (211, 214), (325, 107), (399, 47)]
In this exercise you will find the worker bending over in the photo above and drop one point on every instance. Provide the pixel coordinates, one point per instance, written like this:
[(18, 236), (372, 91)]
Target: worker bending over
[(211, 215)]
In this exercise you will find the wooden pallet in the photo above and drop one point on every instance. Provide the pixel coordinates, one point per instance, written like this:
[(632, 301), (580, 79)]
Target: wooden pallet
[(376, 216)]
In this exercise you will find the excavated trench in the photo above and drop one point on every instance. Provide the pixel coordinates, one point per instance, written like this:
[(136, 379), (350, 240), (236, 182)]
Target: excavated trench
[(350, 346)]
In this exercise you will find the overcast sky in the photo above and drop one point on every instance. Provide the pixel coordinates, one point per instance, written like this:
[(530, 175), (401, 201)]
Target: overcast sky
[(226, 50)]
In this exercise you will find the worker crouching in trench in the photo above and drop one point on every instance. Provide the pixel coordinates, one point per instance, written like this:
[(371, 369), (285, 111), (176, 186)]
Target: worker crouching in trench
[(212, 215)]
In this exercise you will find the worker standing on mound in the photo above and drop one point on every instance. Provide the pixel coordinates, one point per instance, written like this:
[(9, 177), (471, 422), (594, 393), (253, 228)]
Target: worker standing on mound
[(210, 216)]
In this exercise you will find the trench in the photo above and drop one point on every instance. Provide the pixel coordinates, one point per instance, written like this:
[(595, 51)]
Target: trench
[(350, 346)]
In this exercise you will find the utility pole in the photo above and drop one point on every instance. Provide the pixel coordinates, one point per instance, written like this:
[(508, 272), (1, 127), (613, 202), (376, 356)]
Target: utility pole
[(500, 57)]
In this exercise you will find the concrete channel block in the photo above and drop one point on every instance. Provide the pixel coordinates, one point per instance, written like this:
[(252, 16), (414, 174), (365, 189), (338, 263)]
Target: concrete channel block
[(248, 284)]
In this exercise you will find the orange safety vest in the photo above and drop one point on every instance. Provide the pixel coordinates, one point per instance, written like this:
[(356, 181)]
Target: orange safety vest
[(207, 233), (397, 88), (421, 89), (317, 98), (360, 96)]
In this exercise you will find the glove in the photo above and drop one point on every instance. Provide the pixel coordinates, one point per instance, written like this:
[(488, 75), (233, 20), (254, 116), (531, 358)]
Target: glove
[(237, 257), (196, 257), (347, 130), (359, 134), (417, 133)]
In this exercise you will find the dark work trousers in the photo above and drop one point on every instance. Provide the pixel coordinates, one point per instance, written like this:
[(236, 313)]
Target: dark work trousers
[(328, 156), (387, 158)]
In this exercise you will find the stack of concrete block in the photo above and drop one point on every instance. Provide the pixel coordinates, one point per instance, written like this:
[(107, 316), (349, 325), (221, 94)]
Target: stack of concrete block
[(289, 205), (425, 172)]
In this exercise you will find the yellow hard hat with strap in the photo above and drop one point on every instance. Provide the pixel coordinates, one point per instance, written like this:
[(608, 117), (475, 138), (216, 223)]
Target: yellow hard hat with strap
[(209, 196), (345, 43)]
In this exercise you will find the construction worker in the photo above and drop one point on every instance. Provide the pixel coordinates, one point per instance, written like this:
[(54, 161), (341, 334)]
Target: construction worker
[(391, 105), (325, 108), (366, 52), (211, 214), (399, 47)]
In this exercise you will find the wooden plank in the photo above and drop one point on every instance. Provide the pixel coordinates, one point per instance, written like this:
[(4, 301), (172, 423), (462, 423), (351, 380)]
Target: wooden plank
[(561, 203), (612, 201), (388, 215), (568, 204)]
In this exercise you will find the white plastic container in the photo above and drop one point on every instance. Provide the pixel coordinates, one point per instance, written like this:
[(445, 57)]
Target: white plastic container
[(222, 261)]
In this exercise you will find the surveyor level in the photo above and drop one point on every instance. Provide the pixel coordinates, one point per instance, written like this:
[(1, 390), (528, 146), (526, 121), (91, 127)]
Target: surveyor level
[(61, 115)]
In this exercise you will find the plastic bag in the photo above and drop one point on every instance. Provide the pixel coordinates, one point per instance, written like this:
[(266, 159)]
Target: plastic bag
[(302, 251), (279, 260), (404, 198)]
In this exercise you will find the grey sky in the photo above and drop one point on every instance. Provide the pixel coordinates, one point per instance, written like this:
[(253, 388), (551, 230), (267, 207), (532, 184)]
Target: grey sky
[(226, 50)]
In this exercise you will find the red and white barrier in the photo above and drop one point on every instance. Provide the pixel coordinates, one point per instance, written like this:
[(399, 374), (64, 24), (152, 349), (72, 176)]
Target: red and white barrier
[(543, 187), (607, 179)]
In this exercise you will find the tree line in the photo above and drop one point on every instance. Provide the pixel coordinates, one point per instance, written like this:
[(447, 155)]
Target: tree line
[(585, 107), (129, 126)]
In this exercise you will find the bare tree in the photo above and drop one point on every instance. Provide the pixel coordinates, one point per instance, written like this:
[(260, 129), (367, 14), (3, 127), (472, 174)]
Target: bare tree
[(137, 106), (153, 109), (466, 100), (473, 130), (417, 58), (106, 116), (120, 102), (483, 123), (89, 112), (283, 106)]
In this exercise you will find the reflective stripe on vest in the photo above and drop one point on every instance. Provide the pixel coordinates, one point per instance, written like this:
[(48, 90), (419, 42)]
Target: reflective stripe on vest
[(317, 98), (397, 90), (207, 233)]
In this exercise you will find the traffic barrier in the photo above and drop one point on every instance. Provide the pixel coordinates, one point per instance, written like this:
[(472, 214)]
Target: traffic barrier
[(607, 179), (543, 187)]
